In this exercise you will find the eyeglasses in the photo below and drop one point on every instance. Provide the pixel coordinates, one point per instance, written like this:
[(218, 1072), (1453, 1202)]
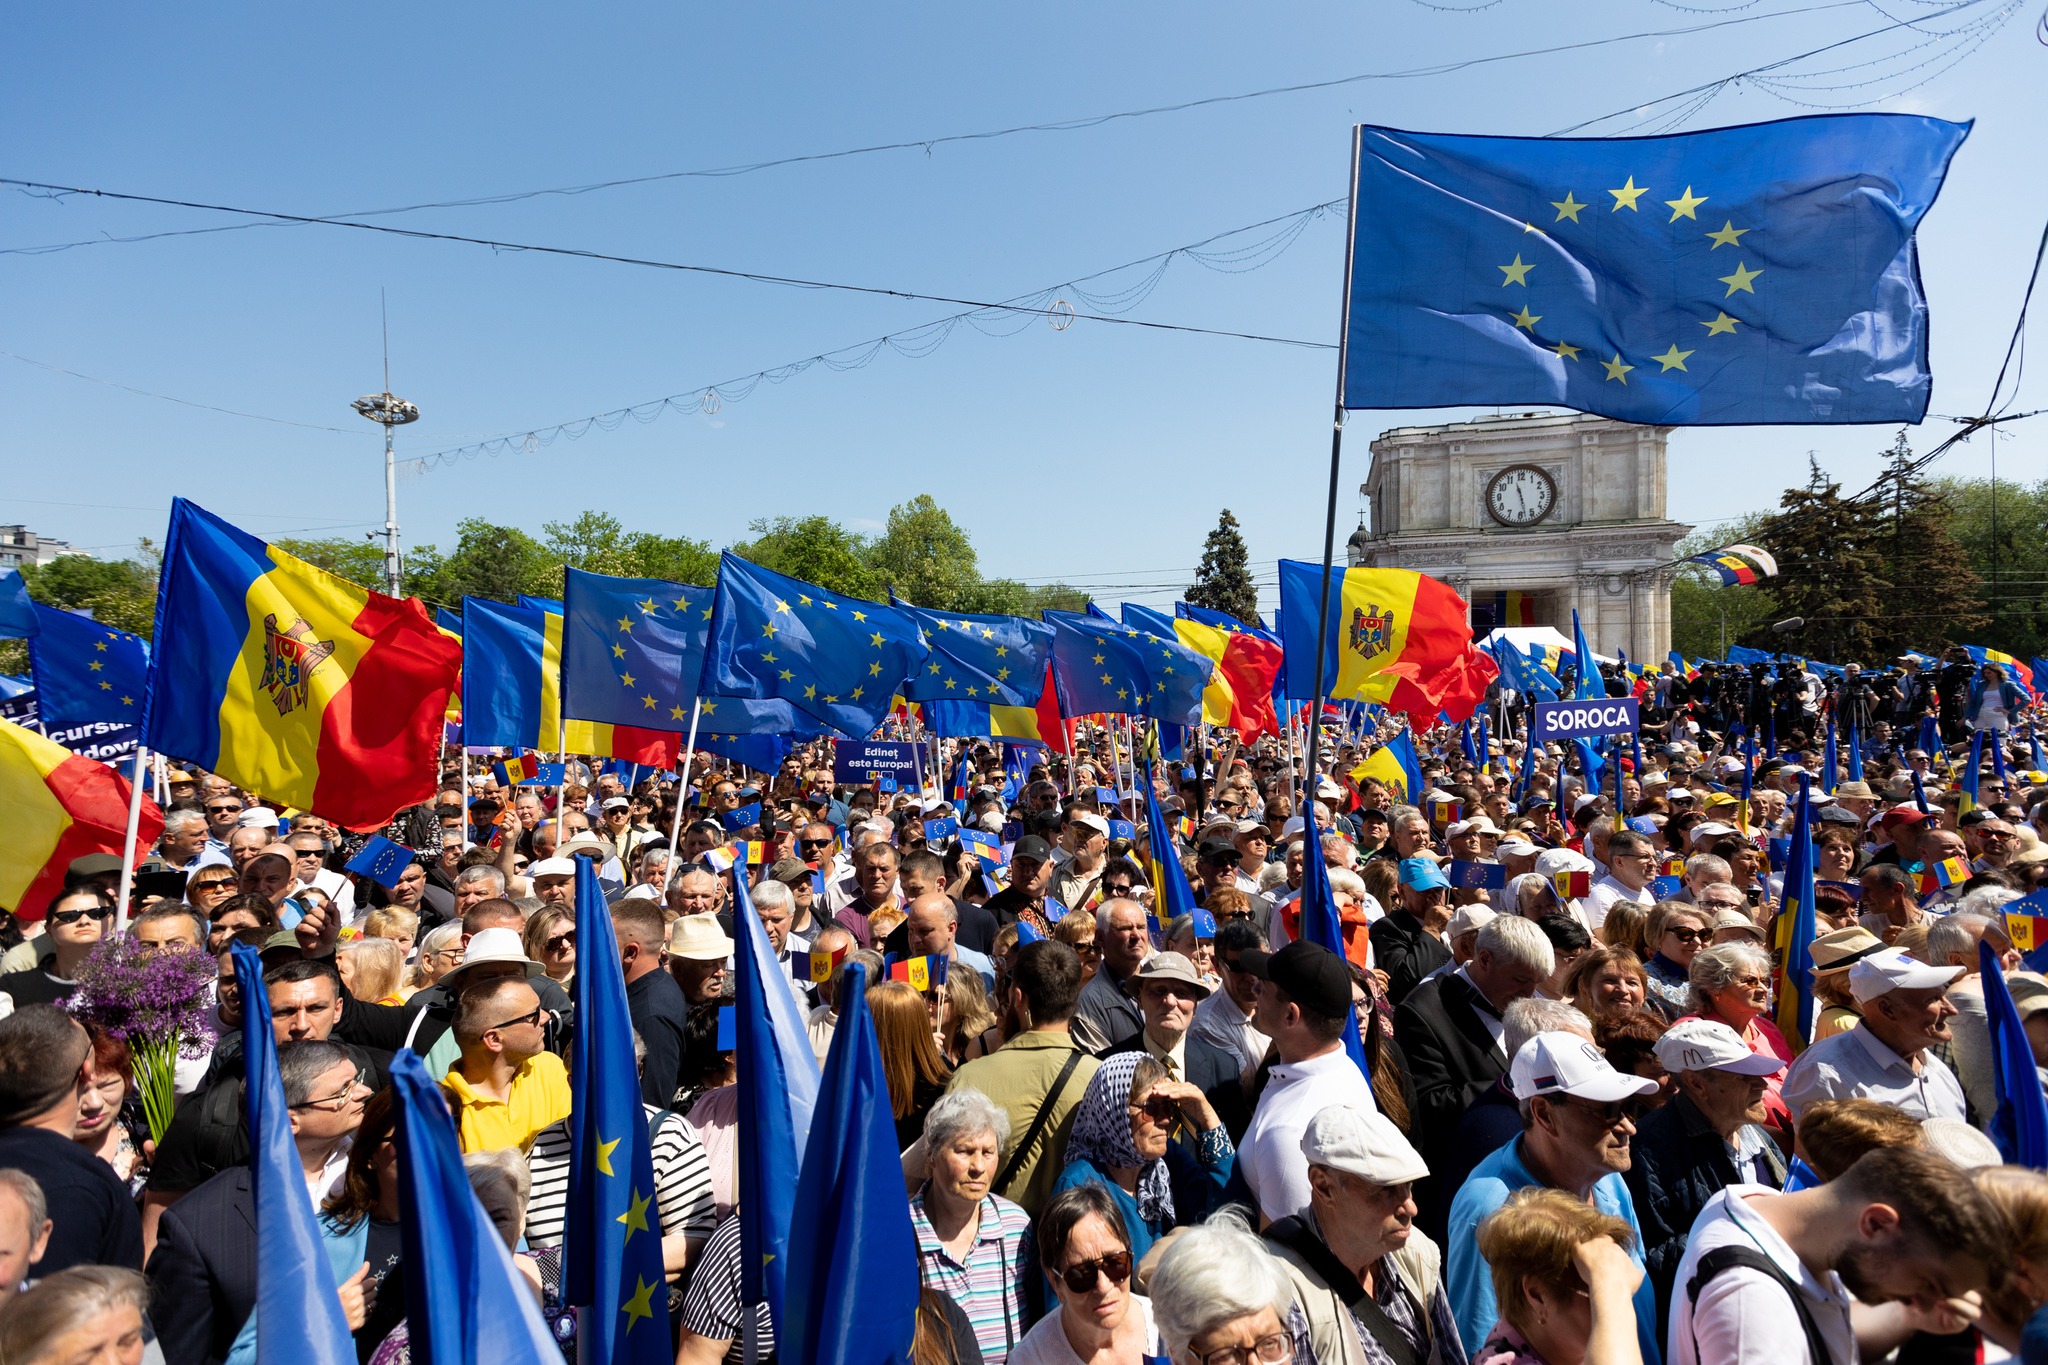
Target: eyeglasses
[(1080, 1278), (1087, 949), (533, 1018), (1688, 935), (1277, 1349), (814, 843), (559, 942), (230, 809), (304, 853), (335, 1103), (1610, 1114), (1158, 1108), (73, 916)]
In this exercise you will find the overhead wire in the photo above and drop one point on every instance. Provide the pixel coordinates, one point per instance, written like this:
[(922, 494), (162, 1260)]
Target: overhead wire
[(168, 398)]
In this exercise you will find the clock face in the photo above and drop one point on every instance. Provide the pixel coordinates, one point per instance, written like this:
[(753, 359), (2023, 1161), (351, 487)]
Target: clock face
[(1521, 495)]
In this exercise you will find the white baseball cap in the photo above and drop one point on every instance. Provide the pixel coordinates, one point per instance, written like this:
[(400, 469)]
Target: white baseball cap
[(1092, 821), (1363, 1143), (1478, 824), (1706, 1045), (257, 817), (551, 867), (1566, 1064), (1515, 846), (1470, 919), (1895, 969), (1552, 861)]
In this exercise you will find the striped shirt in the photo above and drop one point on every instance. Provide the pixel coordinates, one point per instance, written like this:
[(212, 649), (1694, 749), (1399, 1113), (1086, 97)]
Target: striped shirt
[(682, 1181), (988, 1286), (712, 1307)]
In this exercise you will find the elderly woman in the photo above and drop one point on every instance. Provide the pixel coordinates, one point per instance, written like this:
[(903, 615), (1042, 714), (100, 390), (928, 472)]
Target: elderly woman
[(1154, 1143), (1731, 984), (1220, 1298), (971, 1242), (1194, 938), (209, 886), (87, 1313), (1531, 896), (1564, 1281), (1086, 1253), (370, 970), (1607, 979), (1675, 934), (440, 953), (400, 926)]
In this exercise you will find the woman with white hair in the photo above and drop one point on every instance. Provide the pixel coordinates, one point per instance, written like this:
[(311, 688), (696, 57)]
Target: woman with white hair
[(1220, 1298), (971, 1242)]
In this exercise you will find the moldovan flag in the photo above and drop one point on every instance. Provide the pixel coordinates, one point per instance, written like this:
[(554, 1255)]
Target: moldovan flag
[(292, 682), (59, 807), (1394, 636)]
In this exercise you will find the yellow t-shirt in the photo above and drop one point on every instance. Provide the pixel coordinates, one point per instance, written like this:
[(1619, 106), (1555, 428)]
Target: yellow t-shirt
[(539, 1096), (1834, 1019)]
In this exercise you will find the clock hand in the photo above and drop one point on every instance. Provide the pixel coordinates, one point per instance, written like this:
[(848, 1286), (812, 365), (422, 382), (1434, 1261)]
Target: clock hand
[(1524, 501)]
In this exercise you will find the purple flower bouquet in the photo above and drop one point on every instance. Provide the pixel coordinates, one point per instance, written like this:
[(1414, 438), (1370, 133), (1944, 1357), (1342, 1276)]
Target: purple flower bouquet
[(159, 1003)]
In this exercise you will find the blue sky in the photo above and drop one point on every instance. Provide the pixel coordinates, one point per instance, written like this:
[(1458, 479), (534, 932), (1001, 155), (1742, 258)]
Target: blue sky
[(1099, 454)]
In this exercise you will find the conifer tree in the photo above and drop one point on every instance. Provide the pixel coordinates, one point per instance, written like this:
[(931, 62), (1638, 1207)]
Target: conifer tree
[(1830, 572), (1936, 595), (1223, 582)]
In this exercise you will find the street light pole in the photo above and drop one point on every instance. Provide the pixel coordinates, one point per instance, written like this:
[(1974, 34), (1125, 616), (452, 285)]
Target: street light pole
[(388, 412)]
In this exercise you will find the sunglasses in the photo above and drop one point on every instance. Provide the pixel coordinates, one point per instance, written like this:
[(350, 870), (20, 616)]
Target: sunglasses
[(814, 843), (223, 810), (1158, 1108), (559, 942), (533, 1018), (1688, 935), (1609, 1114), (1080, 1278), (73, 916)]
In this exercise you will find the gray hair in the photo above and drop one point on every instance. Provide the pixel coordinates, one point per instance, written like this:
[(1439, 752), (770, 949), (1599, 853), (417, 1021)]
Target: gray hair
[(1211, 1274), (965, 1112), (1110, 907), (302, 1063), (30, 1194), (775, 894), (1714, 969), (180, 818), (1710, 864), (439, 937), (482, 872), (1509, 938), (1524, 1019), (1955, 934), (1988, 901), (1348, 882), (1528, 881)]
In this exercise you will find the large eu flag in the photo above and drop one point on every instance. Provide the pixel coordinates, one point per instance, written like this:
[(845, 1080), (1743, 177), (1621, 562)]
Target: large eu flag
[(996, 660), (86, 673), (1757, 274), (1100, 664)]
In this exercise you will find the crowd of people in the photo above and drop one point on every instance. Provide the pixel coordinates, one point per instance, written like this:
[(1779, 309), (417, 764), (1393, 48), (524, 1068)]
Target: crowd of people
[(1575, 1128)]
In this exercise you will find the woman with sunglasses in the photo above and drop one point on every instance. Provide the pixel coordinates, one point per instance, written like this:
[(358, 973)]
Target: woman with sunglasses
[(1675, 934), (234, 914), (551, 941), (1086, 1253), (209, 887), (1154, 1143), (74, 923)]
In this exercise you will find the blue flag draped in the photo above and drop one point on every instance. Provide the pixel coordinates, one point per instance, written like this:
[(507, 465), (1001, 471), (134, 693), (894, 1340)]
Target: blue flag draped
[(2020, 1127), (1172, 897), (17, 611), (853, 1276), (1586, 685), (1100, 664), (612, 1269), (1320, 922), (778, 1090), (295, 1289), (1765, 273), (465, 1302), (996, 660), (86, 673)]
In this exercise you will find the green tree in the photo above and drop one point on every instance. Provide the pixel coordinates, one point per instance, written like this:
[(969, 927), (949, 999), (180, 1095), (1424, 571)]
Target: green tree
[(358, 559), (1705, 616), (926, 558), (1830, 572), (815, 549), (596, 542), (489, 561), (1936, 595), (2011, 560), (1223, 580), (120, 592)]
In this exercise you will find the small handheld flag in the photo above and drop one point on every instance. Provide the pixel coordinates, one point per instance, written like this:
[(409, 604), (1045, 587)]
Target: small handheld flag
[(2026, 924), (1027, 934), (1477, 876), (753, 852), (823, 964), (987, 847), (1944, 874), (1444, 814), (1571, 885), (921, 973), (514, 771), (1664, 888), (1124, 830), (745, 817), (935, 830), (382, 861)]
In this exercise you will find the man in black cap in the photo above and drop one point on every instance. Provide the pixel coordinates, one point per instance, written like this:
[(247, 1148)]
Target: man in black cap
[(1304, 1000), (1024, 898)]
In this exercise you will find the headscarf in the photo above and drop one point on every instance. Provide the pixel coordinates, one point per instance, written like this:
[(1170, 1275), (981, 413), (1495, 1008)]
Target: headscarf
[(1102, 1133)]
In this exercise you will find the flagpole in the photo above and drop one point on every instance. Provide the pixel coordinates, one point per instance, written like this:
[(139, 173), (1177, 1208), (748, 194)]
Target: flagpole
[(675, 826), (128, 844), (1336, 458)]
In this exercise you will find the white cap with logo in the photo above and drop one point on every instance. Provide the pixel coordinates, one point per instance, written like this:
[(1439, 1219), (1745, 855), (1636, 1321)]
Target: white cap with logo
[(1707, 1045), (1566, 1064), (1895, 969)]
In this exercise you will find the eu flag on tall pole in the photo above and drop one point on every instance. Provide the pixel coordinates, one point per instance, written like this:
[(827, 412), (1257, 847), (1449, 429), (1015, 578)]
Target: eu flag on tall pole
[(1172, 897), (1319, 920), (997, 660), (299, 1318), (1794, 928), (778, 1089), (1764, 273), (1586, 686), (834, 657), (612, 1269), (2020, 1127), (853, 1276), (1101, 664), (86, 673)]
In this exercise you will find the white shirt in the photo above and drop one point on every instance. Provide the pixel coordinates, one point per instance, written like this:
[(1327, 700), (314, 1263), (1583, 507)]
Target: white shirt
[(1604, 893), (1858, 1064), (340, 890), (1495, 1025), (1270, 1155), (1743, 1317), (1046, 1343), (1218, 1020)]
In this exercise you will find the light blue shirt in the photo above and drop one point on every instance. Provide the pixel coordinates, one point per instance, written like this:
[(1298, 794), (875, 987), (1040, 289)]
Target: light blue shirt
[(1469, 1279), (981, 962)]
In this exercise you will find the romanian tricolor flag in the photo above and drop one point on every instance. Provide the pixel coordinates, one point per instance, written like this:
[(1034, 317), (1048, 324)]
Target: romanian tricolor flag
[(512, 689), (1240, 688), (291, 682), (1039, 724), (1511, 608), (59, 807), (1392, 636)]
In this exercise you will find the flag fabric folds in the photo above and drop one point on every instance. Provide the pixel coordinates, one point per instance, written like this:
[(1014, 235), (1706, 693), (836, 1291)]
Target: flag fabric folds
[(836, 658), (1522, 673), (291, 682), (1172, 897), (1394, 636), (1737, 564), (853, 1276), (632, 655), (1792, 955), (298, 1305), (778, 1090), (86, 673), (998, 660), (1100, 664), (611, 1243), (1395, 764), (512, 689), (2020, 1126), (59, 806), (465, 1302), (1244, 667), (1320, 922), (1038, 723), (1512, 608), (1224, 621), (17, 611), (1760, 274)]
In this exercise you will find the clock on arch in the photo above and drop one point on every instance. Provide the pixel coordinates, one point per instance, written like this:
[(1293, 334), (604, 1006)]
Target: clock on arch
[(1520, 495)]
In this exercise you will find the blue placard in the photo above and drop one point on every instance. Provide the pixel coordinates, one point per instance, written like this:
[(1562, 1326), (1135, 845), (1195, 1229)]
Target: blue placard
[(1123, 829), (1476, 876), (1854, 891), (1585, 719), (935, 830), (741, 817), (1664, 888), (862, 761), (382, 861), (727, 1032)]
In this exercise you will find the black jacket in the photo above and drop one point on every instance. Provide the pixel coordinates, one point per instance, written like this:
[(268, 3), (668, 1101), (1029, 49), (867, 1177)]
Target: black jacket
[(1676, 1164), (95, 1222), (660, 1014), (1406, 952), (1452, 1058), (202, 1276)]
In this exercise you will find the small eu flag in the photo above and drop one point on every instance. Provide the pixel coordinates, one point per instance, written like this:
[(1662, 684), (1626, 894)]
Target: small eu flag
[(1757, 274), (742, 817), (382, 861), (839, 659), (86, 673), (1472, 875)]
